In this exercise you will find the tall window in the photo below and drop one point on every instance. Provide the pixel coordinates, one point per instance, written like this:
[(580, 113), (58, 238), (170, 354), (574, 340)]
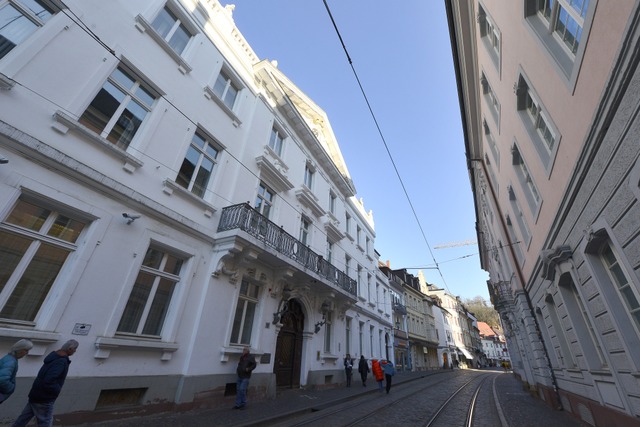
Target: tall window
[(358, 234), (347, 223), (275, 141), (367, 241), (328, 327), (172, 30), (539, 122), (264, 200), (35, 242), (329, 251), (347, 264), (119, 108), (245, 313), (566, 19), (332, 203), (197, 166), (347, 344), (563, 351), (151, 295), (361, 336), (525, 178), (19, 19), (618, 276), (490, 35), (305, 228), (308, 176), (491, 98), (226, 89)]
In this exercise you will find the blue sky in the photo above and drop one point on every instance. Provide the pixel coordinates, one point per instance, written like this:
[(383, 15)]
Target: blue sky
[(401, 53)]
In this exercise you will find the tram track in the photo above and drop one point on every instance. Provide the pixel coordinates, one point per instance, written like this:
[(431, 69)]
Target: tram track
[(423, 400)]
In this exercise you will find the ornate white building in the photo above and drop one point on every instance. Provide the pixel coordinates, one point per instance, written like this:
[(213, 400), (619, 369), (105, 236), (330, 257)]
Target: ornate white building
[(168, 199)]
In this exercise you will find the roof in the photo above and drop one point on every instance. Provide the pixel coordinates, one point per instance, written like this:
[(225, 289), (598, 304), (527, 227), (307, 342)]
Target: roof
[(486, 330)]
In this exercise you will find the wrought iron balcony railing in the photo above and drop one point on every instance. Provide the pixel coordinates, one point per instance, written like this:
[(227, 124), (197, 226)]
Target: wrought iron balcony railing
[(245, 218)]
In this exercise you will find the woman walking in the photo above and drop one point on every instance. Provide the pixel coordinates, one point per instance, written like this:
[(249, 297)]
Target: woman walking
[(363, 368)]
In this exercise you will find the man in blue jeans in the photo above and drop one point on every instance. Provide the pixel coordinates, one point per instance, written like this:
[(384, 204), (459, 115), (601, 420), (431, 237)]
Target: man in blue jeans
[(246, 364), (47, 387)]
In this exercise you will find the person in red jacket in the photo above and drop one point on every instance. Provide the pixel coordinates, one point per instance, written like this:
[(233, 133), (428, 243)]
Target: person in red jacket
[(377, 372)]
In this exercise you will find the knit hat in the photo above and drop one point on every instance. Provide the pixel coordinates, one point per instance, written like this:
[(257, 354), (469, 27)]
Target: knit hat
[(21, 345)]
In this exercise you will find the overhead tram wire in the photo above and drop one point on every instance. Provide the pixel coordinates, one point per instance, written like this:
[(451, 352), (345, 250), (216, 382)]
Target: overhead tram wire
[(375, 120)]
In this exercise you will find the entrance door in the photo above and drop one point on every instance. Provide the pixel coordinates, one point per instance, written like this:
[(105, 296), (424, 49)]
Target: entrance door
[(288, 357)]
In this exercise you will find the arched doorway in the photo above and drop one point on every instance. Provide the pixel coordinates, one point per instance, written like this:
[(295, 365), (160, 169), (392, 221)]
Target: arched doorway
[(288, 357)]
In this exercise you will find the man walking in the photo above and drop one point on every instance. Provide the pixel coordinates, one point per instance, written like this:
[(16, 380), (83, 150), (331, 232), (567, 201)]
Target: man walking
[(47, 386), (246, 364)]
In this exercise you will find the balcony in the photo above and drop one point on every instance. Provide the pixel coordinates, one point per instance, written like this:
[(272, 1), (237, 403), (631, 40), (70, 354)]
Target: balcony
[(500, 294), (244, 217)]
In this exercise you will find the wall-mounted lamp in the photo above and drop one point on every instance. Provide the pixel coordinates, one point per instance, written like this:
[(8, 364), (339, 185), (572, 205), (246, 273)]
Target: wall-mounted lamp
[(277, 316), (130, 217), (319, 325)]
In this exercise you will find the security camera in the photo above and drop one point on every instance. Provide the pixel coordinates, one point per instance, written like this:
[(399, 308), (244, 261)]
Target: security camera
[(130, 217)]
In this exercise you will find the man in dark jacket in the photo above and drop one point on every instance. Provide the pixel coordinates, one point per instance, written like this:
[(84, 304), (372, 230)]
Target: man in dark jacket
[(46, 387), (246, 364)]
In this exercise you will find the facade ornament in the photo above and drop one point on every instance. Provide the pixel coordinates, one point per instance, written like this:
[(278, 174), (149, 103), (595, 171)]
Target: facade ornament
[(552, 258), (226, 267)]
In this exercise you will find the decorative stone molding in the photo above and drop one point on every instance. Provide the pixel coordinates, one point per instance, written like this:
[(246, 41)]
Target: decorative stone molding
[(553, 257)]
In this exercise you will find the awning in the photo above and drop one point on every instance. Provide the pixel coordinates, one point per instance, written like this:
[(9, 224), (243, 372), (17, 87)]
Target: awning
[(466, 353)]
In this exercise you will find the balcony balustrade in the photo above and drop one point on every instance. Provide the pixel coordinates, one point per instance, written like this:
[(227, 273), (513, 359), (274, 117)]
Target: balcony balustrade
[(245, 218)]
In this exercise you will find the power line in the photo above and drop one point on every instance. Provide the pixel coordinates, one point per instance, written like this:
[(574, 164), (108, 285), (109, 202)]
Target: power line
[(393, 163)]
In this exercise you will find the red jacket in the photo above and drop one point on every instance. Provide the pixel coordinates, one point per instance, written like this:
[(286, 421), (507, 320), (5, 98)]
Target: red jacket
[(377, 370)]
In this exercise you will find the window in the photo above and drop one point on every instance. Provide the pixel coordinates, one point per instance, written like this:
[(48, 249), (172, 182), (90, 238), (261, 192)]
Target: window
[(332, 202), (35, 242), (491, 142), (327, 332), (245, 313), (566, 19), (172, 30), (152, 291), (226, 89), (562, 347), (627, 291), (119, 108), (520, 219), (347, 223), (308, 176), (264, 200), (305, 228), (525, 179), (275, 141), (197, 166), (329, 251), (367, 241), (490, 35), (358, 233), (562, 25), (491, 98), (347, 344), (19, 19), (347, 264)]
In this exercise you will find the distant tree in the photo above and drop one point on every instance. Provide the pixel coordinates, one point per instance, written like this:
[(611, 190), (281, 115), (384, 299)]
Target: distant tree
[(483, 310)]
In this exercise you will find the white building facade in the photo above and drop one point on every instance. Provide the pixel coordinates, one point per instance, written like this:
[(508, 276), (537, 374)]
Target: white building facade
[(170, 198)]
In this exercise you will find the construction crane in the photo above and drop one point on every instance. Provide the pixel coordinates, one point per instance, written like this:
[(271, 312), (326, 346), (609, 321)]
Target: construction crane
[(455, 244)]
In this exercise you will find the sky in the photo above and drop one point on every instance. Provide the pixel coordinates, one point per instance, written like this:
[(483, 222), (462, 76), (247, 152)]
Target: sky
[(401, 54)]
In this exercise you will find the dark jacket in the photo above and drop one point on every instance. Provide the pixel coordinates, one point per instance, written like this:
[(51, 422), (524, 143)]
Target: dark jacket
[(246, 364), (363, 367), (47, 385)]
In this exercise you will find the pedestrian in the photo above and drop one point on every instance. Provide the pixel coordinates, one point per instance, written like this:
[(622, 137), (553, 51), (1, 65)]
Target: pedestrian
[(377, 372), (363, 368), (246, 365), (47, 386), (389, 372), (9, 367), (348, 368)]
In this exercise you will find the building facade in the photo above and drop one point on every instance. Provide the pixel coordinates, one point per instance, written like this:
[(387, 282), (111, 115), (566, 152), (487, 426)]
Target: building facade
[(167, 198), (549, 100)]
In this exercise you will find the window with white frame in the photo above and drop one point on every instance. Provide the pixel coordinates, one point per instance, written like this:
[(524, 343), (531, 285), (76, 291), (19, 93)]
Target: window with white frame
[(520, 219), (245, 314), (537, 122), (525, 179), (226, 89), (513, 236), (119, 108), (308, 176), (347, 223), (35, 243), (490, 141), (562, 25), (367, 241), (329, 251), (197, 167), (563, 351), (305, 229), (328, 329), (358, 233), (347, 265), (152, 292), (491, 98), (264, 199), (19, 19), (171, 28), (490, 35), (619, 277), (276, 141), (332, 202), (347, 344)]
